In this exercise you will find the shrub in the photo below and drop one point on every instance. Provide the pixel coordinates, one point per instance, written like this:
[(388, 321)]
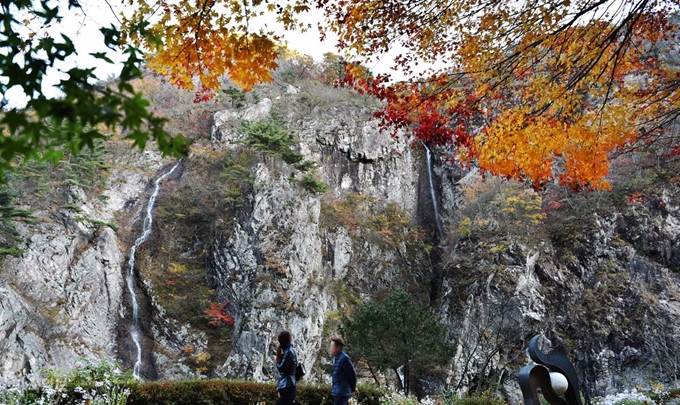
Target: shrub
[(102, 385), (311, 184), (306, 165), (485, 398), (236, 95), (291, 157), (270, 136), (12, 251), (223, 392), (9, 213)]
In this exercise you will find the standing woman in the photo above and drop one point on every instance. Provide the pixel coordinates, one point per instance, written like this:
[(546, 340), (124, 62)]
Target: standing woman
[(286, 363)]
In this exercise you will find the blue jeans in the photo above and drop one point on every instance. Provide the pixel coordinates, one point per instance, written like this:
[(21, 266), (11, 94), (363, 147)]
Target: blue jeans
[(341, 400)]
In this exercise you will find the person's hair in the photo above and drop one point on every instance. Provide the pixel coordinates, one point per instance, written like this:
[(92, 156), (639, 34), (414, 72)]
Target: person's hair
[(337, 341), (285, 338)]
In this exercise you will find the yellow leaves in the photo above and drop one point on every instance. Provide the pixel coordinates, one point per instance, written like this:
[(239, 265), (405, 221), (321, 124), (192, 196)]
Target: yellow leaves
[(201, 41), (464, 228), (248, 60), (574, 152), (555, 120)]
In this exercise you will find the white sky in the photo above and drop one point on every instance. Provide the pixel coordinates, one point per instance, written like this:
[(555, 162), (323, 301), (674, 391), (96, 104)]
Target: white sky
[(82, 27)]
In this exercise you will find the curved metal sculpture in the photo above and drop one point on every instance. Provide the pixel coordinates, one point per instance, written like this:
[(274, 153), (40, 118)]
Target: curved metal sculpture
[(536, 376), (533, 377)]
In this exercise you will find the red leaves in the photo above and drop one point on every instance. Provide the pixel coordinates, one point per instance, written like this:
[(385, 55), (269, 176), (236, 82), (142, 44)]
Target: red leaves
[(217, 315), (203, 95), (571, 92), (636, 197), (433, 111)]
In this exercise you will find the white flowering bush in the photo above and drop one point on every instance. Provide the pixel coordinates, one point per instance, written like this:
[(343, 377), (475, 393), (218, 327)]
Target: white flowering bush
[(398, 398), (103, 384), (632, 397), (656, 395)]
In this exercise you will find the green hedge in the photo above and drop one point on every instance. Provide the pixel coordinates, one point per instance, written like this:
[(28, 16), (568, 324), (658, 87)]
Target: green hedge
[(223, 392)]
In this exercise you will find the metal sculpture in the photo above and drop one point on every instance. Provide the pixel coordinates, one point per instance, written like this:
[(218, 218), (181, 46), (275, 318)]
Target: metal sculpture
[(535, 376)]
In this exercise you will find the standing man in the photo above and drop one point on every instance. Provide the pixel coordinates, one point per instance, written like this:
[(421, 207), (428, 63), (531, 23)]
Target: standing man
[(344, 375)]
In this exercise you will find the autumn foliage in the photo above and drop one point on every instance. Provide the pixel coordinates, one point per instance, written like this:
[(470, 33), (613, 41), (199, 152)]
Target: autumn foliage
[(541, 91), (555, 111), (217, 315), (206, 39)]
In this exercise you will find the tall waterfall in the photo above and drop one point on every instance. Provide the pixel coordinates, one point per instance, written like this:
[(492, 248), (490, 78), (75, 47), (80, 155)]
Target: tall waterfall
[(146, 231), (433, 194)]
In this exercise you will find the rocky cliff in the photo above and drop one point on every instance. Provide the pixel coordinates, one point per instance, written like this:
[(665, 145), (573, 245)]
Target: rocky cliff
[(296, 243)]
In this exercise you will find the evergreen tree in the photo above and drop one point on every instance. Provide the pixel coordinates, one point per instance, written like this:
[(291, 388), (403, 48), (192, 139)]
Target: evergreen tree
[(8, 213), (399, 333)]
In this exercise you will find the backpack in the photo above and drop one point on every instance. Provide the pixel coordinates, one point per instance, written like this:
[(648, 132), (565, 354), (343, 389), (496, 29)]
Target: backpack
[(300, 371)]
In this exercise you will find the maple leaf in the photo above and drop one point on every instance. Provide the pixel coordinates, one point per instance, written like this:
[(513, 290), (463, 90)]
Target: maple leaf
[(217, 315)]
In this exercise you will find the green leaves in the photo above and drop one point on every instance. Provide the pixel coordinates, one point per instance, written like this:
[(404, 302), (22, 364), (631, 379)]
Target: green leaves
[(48, 126)]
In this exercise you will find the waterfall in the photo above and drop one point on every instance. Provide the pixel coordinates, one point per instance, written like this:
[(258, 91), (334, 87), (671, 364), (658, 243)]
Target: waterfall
[(433, 194), (146, 231)]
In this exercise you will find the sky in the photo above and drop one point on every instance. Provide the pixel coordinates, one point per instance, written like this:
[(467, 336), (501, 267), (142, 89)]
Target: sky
[(82, 27)]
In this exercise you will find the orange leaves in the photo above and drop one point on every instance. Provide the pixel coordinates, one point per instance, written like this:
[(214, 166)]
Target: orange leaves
[(217, 315), (197, 42), (530, 94), (542, 150), (247, 60), (537, 91)]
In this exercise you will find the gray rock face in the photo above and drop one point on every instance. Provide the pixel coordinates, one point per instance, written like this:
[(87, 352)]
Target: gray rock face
[(355, 156), (271, 268), (611, 302), (60, 301)]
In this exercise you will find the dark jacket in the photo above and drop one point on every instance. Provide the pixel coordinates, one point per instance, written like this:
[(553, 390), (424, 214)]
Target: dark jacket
[(344, 376), (287, 368)]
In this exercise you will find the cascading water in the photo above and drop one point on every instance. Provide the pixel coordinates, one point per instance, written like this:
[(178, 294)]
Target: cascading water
[(433, 194), (146, 231)]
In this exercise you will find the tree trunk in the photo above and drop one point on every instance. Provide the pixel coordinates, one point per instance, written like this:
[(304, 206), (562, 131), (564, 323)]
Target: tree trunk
[(407, 380), (375, 378)]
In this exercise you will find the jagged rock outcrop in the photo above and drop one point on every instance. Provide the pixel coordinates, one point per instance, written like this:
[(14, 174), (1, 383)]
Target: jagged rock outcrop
[(60, 302), (607, 296), (278, 268)]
